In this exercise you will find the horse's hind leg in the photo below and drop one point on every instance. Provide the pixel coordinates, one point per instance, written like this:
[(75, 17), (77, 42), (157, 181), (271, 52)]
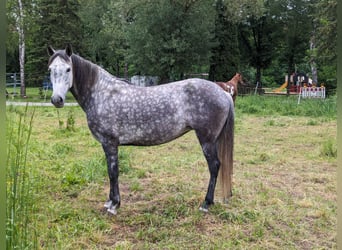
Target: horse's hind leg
[(111, 151), (210, 153)]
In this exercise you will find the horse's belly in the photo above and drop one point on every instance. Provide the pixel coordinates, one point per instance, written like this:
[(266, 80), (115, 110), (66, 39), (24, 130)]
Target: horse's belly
[(151, 134)]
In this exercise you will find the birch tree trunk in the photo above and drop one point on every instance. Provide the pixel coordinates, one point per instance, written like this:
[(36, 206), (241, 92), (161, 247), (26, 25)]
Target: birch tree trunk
[(313, 55), (20, 28)]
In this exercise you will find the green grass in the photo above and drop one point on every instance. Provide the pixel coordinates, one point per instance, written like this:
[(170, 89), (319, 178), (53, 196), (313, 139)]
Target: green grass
[(34, 94), (284, 193), (283, 105)]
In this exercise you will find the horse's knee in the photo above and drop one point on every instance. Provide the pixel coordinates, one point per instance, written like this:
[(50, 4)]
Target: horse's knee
[(214, 167), (113, 173), (112, 167)]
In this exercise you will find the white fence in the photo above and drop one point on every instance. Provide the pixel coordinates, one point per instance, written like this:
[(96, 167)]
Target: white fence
[(311, 92), (13, 80), (144, 80)]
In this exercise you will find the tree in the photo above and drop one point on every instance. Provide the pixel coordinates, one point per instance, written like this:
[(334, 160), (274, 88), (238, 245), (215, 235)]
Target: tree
[(17, 20), (56, 23), (103, 35), (258, 36), (326, 19), (297, 26), (225, 54), (12, 42), (167, 38), (257, 40), (326, 40)]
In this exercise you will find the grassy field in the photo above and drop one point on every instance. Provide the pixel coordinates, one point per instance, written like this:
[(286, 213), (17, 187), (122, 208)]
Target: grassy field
[(34, 94), (284, 193)]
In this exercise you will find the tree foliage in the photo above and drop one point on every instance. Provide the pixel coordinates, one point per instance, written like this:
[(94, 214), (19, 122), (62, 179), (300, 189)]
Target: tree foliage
[(225, 57), (263, 39), (170, 38), (56, 23), (104, 40)]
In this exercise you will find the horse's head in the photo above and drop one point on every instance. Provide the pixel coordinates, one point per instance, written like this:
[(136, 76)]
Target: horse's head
[(239, 79), (61, 75)]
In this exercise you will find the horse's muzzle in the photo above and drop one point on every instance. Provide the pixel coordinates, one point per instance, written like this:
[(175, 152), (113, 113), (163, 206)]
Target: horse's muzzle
[(57, 101)]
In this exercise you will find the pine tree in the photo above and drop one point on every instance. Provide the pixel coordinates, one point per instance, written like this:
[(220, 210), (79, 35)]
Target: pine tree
[(57, 24), (224, 61)]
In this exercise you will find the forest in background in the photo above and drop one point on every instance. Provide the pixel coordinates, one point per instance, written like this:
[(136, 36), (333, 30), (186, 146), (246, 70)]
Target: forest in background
[(174, 39)]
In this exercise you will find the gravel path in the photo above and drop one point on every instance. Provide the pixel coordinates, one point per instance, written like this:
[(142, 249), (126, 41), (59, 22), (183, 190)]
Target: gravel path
[(43, 104)]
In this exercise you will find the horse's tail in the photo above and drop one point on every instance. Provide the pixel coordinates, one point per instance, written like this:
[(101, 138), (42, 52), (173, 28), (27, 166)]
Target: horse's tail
[(225, 154)]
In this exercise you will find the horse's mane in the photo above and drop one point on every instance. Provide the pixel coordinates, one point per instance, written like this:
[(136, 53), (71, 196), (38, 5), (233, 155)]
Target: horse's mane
[(85, 72)]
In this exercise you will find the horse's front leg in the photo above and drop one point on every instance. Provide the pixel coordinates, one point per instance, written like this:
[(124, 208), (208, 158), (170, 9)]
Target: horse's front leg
[(111, 151)]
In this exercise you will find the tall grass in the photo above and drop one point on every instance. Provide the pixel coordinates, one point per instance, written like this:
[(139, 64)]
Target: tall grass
[(283, 105), (19, 232)]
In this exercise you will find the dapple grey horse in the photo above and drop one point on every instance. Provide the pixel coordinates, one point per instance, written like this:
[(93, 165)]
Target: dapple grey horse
[(119, 113)]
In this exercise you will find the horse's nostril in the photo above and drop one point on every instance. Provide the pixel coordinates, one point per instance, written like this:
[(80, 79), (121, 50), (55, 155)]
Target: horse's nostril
[(57, 101)]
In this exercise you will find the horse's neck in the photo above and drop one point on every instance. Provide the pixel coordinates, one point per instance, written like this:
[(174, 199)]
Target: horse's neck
[(234, 81), (89, 78), (85, 77)]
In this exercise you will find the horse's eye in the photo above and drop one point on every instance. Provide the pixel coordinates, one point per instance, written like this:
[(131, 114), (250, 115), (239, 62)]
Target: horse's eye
[(68, 70)]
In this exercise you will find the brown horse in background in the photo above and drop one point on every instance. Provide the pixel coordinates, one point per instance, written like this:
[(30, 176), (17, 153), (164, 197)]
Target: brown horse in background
[(232, 85)]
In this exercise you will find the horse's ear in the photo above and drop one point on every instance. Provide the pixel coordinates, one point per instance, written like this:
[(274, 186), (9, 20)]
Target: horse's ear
[(68, 50), (50, 50)]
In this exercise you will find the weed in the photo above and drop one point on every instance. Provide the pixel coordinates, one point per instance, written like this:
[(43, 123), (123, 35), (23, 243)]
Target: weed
[(41, 93), (135, 186), (264, 157), (19, 231), (312, 122), (70, 124), (329, 149), (124, 161), (270, 123), (62, 149), (60, 122), (141, 173)]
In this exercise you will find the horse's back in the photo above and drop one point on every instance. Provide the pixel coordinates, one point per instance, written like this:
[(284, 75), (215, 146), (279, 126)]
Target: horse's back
[(197, 97)]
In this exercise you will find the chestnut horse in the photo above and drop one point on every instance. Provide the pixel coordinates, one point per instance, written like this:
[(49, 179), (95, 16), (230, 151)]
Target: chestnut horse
[(231, 86)]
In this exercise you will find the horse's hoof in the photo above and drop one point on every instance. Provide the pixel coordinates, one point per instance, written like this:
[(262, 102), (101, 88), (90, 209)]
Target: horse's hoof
[(204, 207), (204, 210), (112, 210), (108, 204)]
